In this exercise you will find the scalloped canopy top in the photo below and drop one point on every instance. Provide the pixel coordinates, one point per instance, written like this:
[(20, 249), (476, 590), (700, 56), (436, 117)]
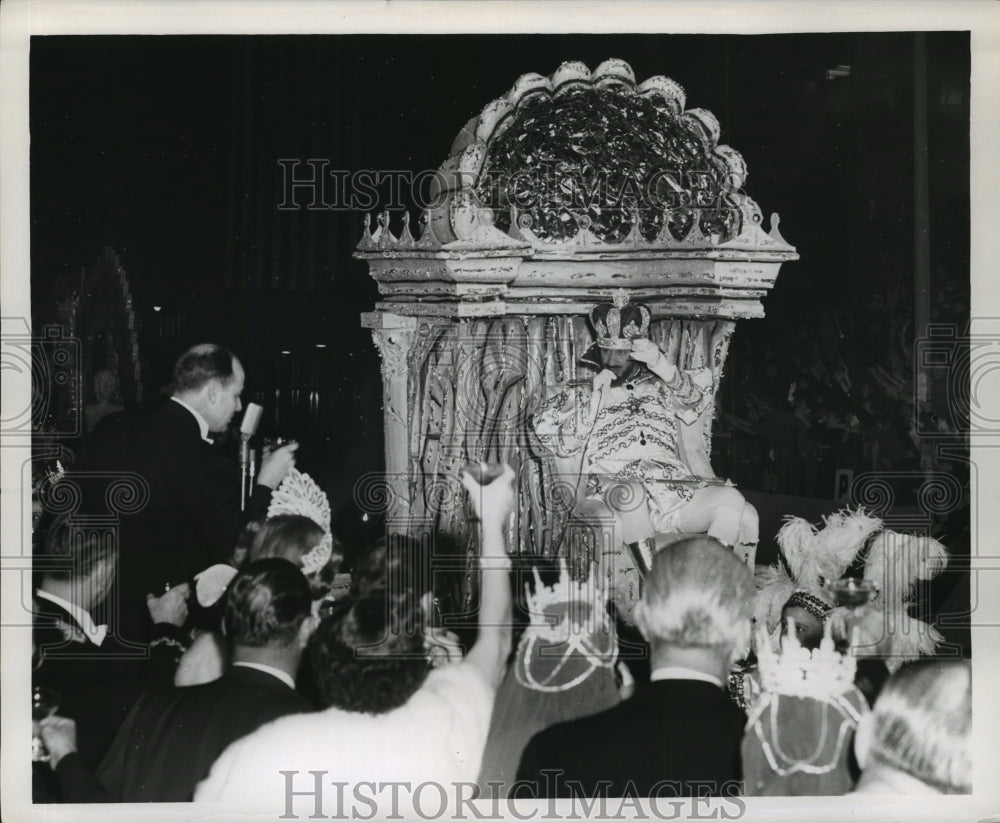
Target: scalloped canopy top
[(600, 156)]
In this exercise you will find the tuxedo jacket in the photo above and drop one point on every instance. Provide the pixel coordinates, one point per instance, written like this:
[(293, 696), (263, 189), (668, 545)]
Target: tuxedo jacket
[(191, 517), (73, 781), (96, 684), (171, 738), (672, 738)]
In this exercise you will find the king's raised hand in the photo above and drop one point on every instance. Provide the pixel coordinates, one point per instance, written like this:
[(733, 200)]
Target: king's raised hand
[(645, 351)]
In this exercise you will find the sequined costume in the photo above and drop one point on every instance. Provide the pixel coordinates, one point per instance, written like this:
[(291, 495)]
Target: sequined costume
[(633, 437)]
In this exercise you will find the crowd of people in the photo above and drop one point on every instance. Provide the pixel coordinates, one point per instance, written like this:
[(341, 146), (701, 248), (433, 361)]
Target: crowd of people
[(836, 392), (240, 661)]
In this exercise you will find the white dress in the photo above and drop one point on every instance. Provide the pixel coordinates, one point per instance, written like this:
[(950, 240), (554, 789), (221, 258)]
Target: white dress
[(438, 735)]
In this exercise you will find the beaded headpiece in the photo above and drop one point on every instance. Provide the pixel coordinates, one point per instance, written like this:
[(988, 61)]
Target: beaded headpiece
[(298, 494), (620, 322), (810, 602)]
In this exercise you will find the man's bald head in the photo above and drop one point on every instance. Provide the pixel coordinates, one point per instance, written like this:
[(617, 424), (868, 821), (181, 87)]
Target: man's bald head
[(202, 363), (698, 595), (210, 379)]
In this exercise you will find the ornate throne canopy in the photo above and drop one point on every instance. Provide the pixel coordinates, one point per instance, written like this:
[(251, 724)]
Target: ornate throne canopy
[(555, 195), (574, 184)]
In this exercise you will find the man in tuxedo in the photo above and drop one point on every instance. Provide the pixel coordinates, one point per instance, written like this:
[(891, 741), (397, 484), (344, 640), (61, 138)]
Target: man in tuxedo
[(192, 516), (88, 675), (170, 739), (679, 734)]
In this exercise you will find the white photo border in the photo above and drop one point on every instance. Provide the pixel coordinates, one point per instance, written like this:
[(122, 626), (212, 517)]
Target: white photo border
[(20, 19)]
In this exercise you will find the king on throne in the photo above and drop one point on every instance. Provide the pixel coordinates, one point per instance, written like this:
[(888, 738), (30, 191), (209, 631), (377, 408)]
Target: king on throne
[(621, 436)]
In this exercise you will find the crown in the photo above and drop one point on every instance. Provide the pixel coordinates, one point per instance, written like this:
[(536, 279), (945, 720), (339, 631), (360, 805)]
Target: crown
[(618, 323), (47, 479), (317, 557), (569, 636), (798, 672), (566, 609), (298, 494)]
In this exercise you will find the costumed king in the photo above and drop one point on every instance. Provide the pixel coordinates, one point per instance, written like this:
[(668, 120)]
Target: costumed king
[(632, 432)]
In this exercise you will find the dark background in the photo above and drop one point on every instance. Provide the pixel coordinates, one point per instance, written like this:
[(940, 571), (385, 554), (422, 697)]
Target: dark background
[(166, 149)]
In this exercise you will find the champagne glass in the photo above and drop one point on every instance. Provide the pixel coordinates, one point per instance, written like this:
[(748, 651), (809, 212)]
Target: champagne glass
[(484, 474), (44, 703), (270, 444), (852, 592)]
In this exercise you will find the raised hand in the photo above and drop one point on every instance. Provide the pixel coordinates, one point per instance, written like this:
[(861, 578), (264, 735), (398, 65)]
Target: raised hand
[(59, 736), (645, 351), (494, 501), (603, 380), (170, 607), (276, 464)]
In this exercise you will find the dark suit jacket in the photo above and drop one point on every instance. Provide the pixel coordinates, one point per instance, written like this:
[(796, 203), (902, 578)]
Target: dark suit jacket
[(75, 782), (192, 517), (684, 731), (96, 684), (171, 738)]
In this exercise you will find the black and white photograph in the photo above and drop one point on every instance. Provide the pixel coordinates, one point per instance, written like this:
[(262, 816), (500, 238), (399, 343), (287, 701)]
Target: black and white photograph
[(427, 411)]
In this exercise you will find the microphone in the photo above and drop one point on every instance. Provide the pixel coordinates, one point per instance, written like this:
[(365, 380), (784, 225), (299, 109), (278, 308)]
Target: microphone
[(251, 419), (248, 427)]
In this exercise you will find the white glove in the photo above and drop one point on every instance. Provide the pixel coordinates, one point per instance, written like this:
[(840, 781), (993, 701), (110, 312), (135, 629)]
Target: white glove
[(645, 351), (601, 382)]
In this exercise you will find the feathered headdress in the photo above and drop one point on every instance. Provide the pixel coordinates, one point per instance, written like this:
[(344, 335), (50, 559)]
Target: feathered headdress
[(895, 563), (812, 557), (298, 494)]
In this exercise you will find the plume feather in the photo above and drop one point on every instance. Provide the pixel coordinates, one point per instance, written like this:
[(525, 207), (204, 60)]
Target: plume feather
[(796, 538), (843, 536), (774, 587)]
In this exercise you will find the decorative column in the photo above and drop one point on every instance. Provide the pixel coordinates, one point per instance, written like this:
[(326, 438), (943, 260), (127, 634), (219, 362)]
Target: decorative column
[(393, 336)]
